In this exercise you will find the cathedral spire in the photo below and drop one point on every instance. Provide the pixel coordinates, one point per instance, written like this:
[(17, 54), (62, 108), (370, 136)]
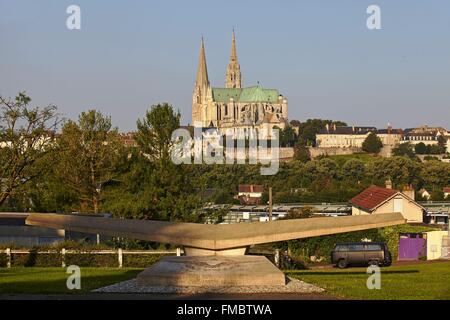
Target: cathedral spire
[(233, 48), (202, 80), (233, 76)]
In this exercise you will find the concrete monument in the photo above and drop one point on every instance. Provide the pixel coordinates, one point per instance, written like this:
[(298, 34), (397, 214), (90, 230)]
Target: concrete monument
[(214, 254)]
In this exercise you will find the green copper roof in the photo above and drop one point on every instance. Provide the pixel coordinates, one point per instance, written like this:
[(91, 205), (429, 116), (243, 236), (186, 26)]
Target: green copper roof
[(251, 94)]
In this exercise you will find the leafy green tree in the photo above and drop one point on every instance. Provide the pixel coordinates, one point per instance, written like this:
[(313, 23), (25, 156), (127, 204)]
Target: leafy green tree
[(435, 173), (421, 148), (301, 153), (401, 170), (372, 143), (27, 137), (442, 145), (353, 169), (90, 151), (300, 213), (437, 195), (151, 185), (404, 150), (288, 136), (154, 135)]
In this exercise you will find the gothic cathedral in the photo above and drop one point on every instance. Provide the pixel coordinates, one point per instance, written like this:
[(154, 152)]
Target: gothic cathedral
[(235, 106)]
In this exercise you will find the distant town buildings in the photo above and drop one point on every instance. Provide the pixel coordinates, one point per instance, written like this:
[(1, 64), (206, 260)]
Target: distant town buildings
[(250, 194), (424, 134), (128, 139), (353, 137), (446, 191)]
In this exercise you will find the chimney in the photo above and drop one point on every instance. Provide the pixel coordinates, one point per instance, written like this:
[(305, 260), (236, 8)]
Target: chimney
[(328, 127), (388, 183), (334, 127), (408, 191)]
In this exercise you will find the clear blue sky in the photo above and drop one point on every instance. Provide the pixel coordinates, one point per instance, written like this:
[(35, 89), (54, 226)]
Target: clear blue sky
[(319, 54)]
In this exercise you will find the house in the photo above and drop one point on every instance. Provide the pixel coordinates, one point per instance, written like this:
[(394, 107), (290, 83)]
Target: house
[(250, 193), (342, 136), (446, 191), (353, 137), (425, 134), (424, 194), (376, 200)]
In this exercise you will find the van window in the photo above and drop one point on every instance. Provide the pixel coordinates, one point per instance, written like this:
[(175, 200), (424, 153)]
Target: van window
[(356, 247), (341, 247), (373, 247)]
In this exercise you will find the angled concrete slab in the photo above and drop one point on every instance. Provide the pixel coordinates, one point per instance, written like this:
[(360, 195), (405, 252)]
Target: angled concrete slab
[(215, 237)]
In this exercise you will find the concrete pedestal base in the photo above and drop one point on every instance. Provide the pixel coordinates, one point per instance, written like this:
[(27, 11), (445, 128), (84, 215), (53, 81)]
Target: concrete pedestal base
[(210, 271)]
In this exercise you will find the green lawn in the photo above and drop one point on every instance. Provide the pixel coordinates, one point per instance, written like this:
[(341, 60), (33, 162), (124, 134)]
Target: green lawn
[(419, 281), (53, 280)]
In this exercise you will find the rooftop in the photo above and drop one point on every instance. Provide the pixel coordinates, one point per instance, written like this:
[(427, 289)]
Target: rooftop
[(372, 197), (250, 94)]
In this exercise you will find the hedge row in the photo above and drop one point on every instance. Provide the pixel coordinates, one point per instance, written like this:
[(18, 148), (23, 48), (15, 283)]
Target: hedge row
[(32, 259)]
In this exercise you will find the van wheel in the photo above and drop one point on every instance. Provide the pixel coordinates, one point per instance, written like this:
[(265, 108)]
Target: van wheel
[(342, 264), (388, 260), (373, 263)]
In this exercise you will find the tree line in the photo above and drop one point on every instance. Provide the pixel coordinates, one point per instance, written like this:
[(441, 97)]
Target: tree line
[(50, 164)]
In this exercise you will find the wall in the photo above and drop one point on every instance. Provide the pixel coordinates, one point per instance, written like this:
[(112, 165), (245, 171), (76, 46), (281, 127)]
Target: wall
[(434, 244), (411, 212), (333, 151)]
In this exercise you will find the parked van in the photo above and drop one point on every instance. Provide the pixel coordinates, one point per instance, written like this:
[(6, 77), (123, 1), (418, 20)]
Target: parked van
[(361, 253)]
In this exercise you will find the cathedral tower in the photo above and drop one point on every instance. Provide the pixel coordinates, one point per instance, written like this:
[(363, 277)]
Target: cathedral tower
[(233, 76), (202, 88)]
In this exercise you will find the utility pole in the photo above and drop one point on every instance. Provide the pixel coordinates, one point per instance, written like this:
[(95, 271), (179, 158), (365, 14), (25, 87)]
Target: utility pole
[(270, 204)]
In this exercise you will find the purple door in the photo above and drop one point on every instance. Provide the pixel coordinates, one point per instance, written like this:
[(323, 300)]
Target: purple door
[(411, 248)]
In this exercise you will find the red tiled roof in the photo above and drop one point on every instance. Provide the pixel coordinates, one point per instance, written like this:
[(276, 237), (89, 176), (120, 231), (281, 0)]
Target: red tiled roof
[(372, 197), (446, 189), (250, 188)]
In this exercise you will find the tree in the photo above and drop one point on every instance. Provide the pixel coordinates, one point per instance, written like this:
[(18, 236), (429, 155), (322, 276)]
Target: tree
[(404, 150), (372, 143), (421, 148), (90, 151), (26, 140), (288, 137), (301, 153), (442, 144), (154, 135), (152, 186), (299, 213), (353, 169)]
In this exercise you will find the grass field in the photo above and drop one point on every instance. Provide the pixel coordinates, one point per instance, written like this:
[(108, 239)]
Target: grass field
[(417, 281), (53, 280)]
